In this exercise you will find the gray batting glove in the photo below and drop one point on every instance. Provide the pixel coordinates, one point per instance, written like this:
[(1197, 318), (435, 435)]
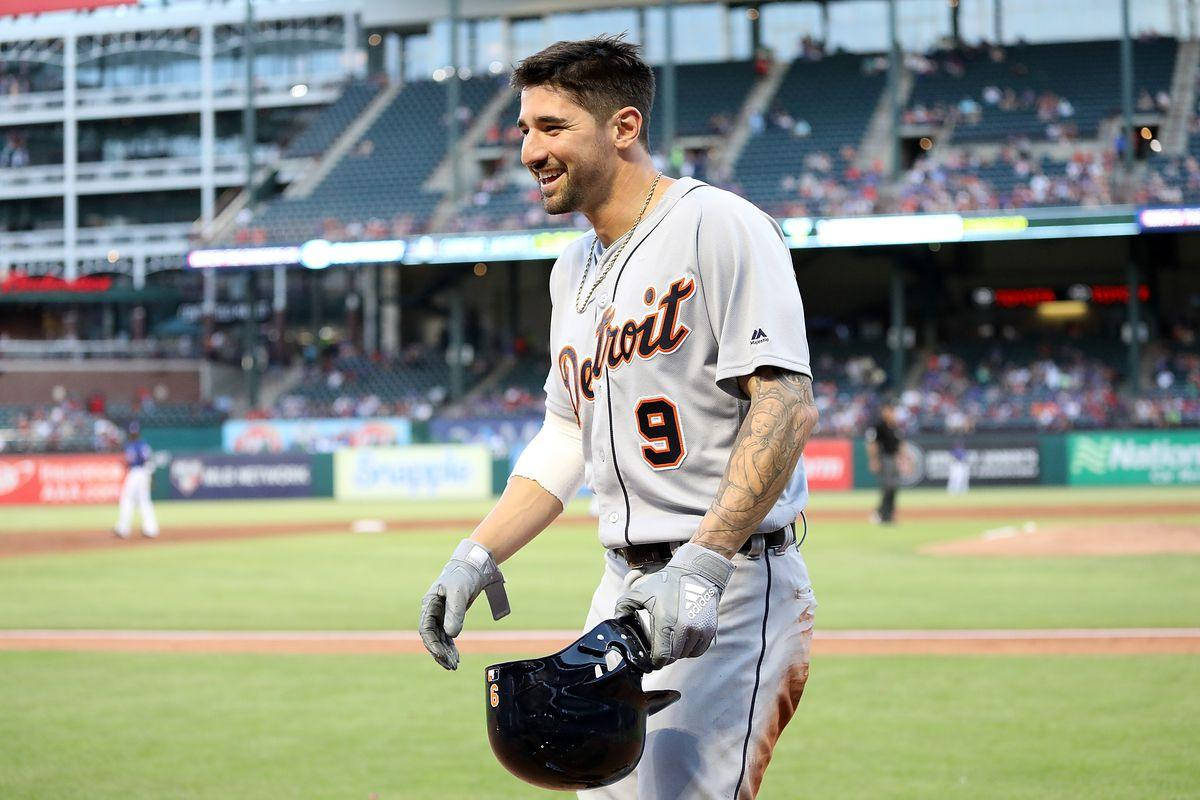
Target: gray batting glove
[(469, 571), (681, 601)]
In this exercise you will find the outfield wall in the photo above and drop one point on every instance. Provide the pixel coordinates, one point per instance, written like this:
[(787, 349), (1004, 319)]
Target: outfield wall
[(470, 471)]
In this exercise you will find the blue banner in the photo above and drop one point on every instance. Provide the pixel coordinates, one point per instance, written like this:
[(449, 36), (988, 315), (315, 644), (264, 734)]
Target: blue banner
[(222, 477), (502, 436)]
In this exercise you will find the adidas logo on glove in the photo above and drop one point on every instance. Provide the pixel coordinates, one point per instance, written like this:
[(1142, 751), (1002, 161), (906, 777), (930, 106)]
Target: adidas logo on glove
[(696, 598)]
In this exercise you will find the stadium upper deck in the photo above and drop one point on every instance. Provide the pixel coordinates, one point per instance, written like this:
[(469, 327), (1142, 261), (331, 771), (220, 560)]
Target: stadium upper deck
[(120, 130)]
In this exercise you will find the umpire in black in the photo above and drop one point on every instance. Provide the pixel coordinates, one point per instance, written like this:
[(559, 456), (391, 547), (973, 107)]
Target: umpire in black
[(883, 453)]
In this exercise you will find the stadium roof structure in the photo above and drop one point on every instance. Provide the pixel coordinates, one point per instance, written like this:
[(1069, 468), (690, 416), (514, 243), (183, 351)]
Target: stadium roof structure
[(374, 12)]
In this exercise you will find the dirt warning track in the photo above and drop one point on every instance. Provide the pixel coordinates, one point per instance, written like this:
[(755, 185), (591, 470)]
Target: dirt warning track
[(1116, 641), (50, 542)]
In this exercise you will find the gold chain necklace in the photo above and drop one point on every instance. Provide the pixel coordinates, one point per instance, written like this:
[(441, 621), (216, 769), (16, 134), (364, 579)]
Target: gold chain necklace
[(608, 262)]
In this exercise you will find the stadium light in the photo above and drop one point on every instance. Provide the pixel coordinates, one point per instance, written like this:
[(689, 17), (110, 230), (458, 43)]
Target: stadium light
[(1062, 310)]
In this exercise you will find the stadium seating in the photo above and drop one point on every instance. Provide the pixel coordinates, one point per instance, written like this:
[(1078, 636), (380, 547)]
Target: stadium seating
[(802, 155), (785, 173), (362, 386), (1008, 83), (70, 427), (382, 177), (330, 123), (960, 181), (715, 93), (707, 92)]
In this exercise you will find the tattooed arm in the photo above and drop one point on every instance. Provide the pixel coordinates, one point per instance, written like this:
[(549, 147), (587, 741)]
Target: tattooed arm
[(782, 416)]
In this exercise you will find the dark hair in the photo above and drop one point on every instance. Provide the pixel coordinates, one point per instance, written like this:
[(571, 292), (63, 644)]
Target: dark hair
[(603, 75)]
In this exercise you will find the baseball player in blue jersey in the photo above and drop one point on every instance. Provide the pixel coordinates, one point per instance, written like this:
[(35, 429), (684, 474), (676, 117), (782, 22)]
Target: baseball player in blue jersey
[(136, 488), (680, 389)]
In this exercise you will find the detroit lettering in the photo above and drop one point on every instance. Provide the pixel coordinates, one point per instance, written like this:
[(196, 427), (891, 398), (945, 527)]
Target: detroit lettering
[(657, 332)]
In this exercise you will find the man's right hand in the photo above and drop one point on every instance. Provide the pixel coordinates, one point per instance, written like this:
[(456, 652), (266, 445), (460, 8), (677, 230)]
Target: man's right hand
[(469, 571)]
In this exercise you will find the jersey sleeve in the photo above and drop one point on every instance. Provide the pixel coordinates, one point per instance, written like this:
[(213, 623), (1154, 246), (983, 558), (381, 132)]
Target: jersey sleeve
[(558, 396), (750, 293), (557, 399)]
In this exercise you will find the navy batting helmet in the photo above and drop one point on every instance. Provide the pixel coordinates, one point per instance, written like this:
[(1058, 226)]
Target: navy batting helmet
[(570, 720)]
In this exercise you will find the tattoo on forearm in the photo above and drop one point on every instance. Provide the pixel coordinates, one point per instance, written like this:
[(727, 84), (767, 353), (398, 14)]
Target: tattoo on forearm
[(783, 414)]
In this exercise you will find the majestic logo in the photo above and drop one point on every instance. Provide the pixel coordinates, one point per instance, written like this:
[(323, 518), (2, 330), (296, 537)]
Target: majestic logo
[(616, 344), (759, 337), (695, 598)]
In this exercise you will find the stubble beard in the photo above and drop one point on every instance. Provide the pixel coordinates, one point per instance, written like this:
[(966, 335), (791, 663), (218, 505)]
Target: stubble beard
[(572, 195), (567, 199)]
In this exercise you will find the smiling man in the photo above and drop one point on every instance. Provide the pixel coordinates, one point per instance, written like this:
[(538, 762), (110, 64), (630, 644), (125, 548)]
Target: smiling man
[(680, 387)]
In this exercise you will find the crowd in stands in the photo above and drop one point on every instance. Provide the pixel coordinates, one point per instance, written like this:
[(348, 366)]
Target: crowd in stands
[(1002, 106), (1173, 399), (93, 423), (1012, 178), (67, 426), (1056, 390), (1004, 385), (341, 383), (846, 388)]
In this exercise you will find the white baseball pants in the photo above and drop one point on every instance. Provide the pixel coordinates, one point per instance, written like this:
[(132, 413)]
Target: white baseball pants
[(136, 491), (716, 741)]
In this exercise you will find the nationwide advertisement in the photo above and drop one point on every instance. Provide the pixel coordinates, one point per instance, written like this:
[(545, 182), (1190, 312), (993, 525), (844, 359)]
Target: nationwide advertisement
[(61, 480), (222, 477), (829, 464), (313, 435), (452, 472), (1137, 458)]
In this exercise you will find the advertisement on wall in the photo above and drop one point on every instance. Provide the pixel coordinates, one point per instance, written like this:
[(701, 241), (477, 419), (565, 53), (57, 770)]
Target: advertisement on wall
[(1107, 459), (313, 435), (451, 472), (829, 464), (223, 477), (501, 435), (993, 460), (1002, 461), (61, 480)]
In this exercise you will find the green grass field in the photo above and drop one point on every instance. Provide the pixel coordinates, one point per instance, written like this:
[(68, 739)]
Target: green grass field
[(139, 725)]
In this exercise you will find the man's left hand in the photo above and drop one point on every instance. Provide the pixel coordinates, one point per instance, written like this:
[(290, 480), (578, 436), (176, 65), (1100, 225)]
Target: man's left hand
[(681, 600)]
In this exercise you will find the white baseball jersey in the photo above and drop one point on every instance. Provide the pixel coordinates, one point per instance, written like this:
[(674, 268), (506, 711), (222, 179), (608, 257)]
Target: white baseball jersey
[(702, 294)]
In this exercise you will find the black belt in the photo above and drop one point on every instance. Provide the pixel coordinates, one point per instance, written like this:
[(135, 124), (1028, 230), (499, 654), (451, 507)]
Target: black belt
[(639, 555)]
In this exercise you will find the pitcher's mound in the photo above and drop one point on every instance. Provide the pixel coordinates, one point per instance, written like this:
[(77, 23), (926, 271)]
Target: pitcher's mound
[(1105, 539)]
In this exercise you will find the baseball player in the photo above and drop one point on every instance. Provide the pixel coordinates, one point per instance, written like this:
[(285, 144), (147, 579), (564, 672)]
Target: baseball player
[(958, 472), (884, 458), (680, 389), (136, 488)]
